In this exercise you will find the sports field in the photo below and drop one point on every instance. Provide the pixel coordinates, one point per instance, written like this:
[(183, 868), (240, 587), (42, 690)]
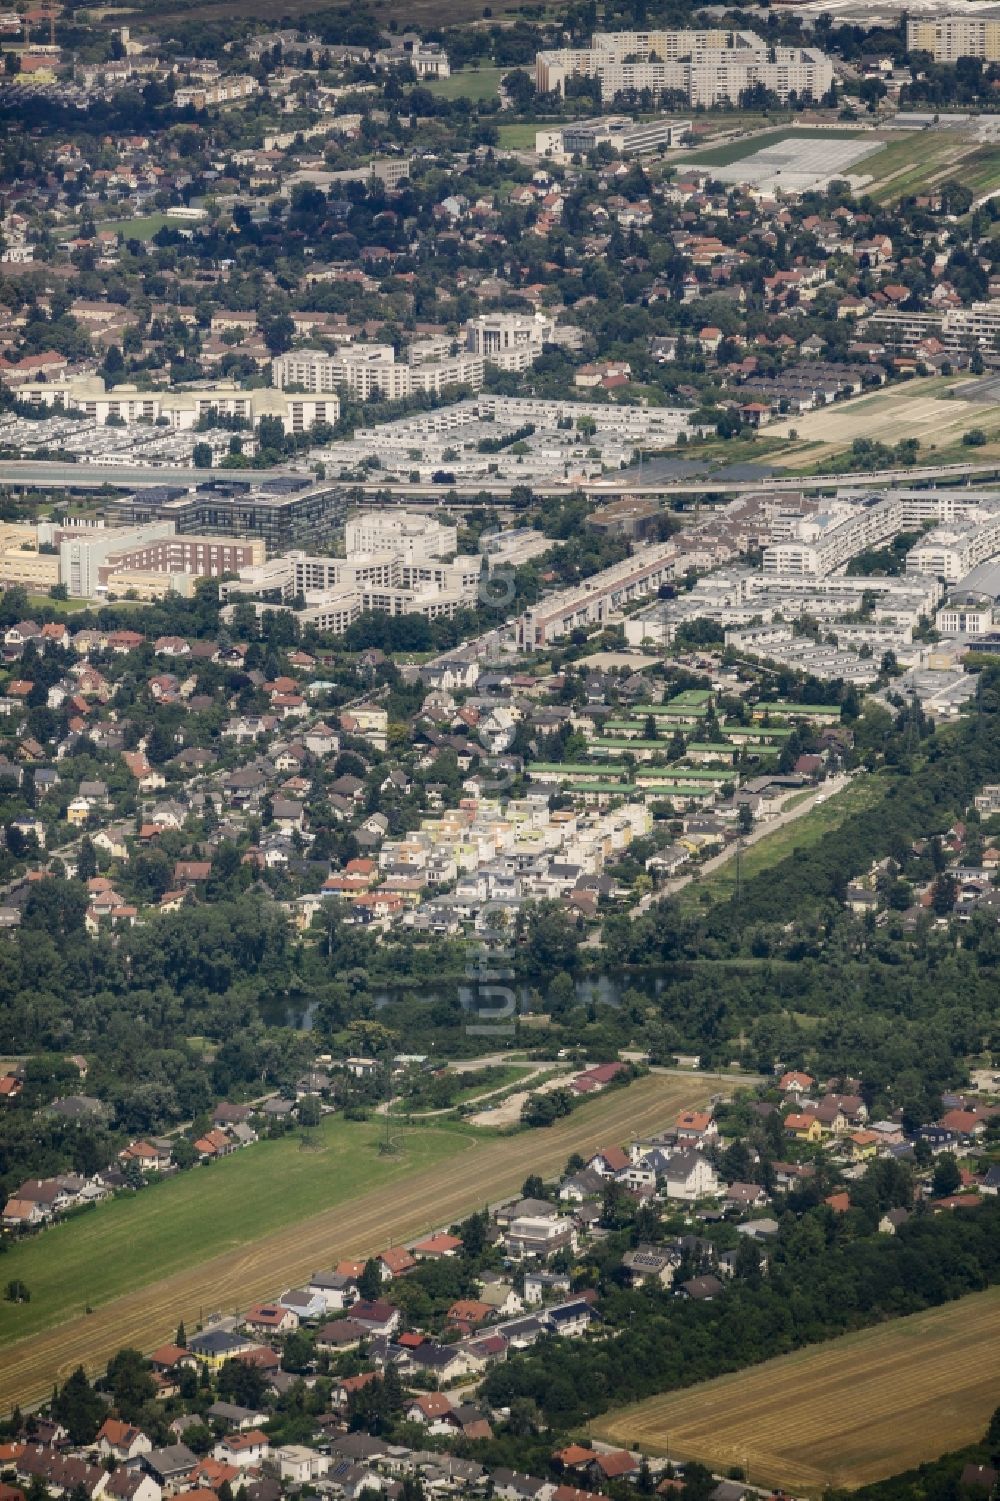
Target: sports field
[(840, 1414), (142, 228), (261, 1221), (470, 83)]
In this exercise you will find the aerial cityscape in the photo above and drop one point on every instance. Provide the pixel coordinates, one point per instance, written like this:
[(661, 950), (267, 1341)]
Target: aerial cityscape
[(500, 750)]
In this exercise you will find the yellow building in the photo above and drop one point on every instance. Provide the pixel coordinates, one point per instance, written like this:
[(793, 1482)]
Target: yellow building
[(22, 563), (947, 38)]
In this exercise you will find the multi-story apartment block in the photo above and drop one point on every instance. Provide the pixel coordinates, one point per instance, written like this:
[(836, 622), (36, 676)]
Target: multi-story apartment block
[(708, 67), (181, 410), (950, 37), (969, 617), (408, 533), (950, 552), (822, 543), (372, 372), (511, 341), (220, 91), (961, 330)]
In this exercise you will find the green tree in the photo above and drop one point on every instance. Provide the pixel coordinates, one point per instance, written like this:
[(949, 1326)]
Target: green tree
[(131, 1381), (86, 860), (310, 1111), (947, 1178), (78, 1407), (370, 1282), (298, 1351)]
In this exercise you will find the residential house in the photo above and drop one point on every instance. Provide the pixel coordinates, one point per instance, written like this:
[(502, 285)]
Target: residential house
[(243, 1449), (121, 1441), (689, 1176)]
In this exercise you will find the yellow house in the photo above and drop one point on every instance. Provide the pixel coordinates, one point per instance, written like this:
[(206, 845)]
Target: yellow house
[(863, 1145), (803, 1127), (78, 811)]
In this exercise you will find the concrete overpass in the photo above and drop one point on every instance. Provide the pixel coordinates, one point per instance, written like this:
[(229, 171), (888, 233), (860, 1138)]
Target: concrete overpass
[(46, 475)]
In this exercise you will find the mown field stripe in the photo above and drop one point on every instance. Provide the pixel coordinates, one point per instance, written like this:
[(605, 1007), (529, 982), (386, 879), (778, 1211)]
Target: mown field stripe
[(840, 1414)]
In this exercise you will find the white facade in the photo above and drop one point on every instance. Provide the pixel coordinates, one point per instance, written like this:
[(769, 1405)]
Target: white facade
[(964, 620), (371, 371), (511, 341), (708, 67), (181, 410), (950, 552), (408, 533)]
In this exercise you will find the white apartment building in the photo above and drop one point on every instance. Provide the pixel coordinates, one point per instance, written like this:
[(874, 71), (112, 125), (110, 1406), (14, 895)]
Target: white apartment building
[(740, 597), (821, 543), (971, 618), (371, 371), (511, 341), (312, 369), (950, 552), (709, 67), (596, 599), (181, 410), (949, 37), (408, 533), (961, 330), (394, 565), (630, 423), (220, 91)]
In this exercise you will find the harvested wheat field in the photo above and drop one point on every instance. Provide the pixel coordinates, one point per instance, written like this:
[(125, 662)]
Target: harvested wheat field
[(840, 1414), (417, 1199)]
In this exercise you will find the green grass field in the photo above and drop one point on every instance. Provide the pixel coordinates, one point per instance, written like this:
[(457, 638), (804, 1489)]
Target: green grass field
[(137, 1240), (519, 137), (981, 170), (736, 151), (910, 162), (61, 606), (143, 228), (802, 833), (471, 83)]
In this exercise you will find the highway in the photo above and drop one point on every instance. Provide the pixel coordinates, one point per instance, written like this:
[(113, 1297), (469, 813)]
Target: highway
[(38, 474)]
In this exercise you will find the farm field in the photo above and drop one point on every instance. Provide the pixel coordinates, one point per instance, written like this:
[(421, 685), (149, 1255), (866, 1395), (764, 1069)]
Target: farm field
[(981, 171), (863, 793), (919, 409), (471, 83), (840, 1414), (87, 1259), (912, 152), (281, 1216)]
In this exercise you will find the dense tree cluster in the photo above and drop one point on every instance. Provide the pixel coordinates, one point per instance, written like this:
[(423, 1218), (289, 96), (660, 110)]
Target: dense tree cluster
[(817, 1286)]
